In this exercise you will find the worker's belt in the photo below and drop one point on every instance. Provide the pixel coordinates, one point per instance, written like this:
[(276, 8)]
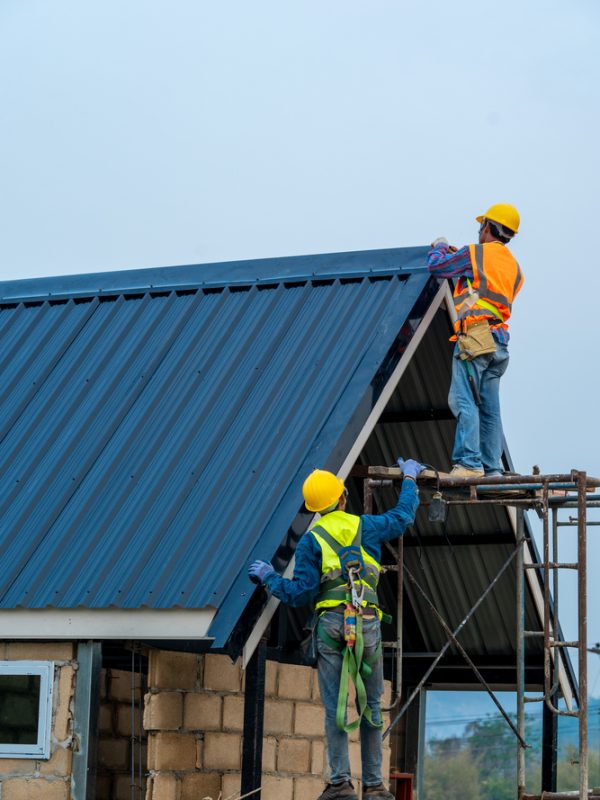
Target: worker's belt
[(366, 612)]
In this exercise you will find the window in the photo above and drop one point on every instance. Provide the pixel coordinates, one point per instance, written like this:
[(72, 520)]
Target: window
[(25, 708)]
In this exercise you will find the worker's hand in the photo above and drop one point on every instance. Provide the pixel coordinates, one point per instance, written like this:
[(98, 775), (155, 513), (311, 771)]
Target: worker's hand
[(410, 468), (452, 248), (258, 571), (439, 242)]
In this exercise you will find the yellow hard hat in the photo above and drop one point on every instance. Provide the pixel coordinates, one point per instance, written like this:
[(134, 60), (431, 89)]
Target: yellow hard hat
[(503, 213), (321, 490)]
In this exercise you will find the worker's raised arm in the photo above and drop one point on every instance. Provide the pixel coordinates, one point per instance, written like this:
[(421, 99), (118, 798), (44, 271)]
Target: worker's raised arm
[(393, 523), (445, 261), (302, 588)]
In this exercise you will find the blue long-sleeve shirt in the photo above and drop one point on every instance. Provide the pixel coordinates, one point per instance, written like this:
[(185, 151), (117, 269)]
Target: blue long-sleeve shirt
[(303, 587)]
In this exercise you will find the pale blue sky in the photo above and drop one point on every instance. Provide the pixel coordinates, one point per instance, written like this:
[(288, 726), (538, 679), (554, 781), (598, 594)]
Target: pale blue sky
[(148, 133)]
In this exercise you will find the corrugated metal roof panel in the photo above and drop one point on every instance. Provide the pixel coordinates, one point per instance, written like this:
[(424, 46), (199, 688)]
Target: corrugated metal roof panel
[(153, 441)]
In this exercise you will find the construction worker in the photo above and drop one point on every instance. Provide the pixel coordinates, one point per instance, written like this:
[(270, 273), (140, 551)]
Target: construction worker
[(337, 568), (488, 280)]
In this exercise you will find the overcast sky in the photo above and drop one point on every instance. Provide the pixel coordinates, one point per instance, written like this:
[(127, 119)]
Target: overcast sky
[(146, 133)]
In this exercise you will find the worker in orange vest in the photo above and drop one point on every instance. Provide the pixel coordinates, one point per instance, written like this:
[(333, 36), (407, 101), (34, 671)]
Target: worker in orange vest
[(488, 279)]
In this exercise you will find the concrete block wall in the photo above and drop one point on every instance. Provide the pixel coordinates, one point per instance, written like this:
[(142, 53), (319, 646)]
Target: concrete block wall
[(194, 713), (113, 781), (29, 779)]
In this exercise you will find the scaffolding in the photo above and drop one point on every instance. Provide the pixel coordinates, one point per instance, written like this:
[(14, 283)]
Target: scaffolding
[(547, 495)]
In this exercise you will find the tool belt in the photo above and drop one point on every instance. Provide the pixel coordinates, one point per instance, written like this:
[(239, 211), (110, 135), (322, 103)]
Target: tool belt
[(476, 340)]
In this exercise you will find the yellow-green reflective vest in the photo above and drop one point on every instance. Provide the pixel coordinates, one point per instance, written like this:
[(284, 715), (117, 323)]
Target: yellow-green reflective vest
[(334, 531)]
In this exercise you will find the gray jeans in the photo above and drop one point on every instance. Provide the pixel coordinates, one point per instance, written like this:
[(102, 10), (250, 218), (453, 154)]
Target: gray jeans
[(330, 666)]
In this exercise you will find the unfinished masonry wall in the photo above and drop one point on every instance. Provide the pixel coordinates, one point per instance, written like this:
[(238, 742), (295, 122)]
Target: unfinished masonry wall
[(194, 713), (115, 743), (29, 779)]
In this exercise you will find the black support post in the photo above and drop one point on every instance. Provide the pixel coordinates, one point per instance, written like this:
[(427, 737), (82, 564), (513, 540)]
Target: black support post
[(254, 716), (549, 747)]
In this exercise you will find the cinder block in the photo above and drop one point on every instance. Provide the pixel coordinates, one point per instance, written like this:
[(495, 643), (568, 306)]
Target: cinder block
[(295, 683), (233, 713), (316, 693), (163, 787), (309, 720), (271, 673), (201, 784), (387, 693), (269, 754), (38, 789), (222, 751), (171, 751), (317, 757), (278, 716), (59, 763), (293, 755), (276, 788), (62, 718), (122, 787), (40, 651), (200, 752), (202, 711), (162, 711), (173, 670), (231, 785), (105, 719), (103, 787), (124, 719), (355, 760), (15, 766), (121, 682), (113, 754), (221, 675), (307, 788)]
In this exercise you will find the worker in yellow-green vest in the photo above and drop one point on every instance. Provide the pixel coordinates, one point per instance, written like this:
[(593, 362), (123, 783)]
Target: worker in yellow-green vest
[(336, 568), (487, 280)]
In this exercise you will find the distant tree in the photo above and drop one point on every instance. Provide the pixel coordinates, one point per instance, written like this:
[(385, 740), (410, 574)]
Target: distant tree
[(568, 769), (493, 746), (452, 776)]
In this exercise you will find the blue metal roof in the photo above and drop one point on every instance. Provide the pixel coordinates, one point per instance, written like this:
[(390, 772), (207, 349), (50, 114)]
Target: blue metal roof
[(156, 425)]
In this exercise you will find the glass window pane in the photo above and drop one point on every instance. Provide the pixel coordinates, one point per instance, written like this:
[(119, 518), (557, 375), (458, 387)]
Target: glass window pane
[(19, 707)]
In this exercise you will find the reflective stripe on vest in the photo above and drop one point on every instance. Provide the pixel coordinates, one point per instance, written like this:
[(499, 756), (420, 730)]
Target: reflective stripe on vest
[(497, 279), (334, 531)]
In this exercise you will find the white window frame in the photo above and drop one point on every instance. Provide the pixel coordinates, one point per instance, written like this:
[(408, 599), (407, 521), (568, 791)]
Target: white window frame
[(45, 670)]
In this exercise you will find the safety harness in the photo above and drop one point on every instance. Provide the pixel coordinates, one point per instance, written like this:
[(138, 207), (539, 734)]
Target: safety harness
[(356, 587)]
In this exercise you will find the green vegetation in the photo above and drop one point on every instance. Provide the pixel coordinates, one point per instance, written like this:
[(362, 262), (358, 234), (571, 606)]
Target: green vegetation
[(482, 764)]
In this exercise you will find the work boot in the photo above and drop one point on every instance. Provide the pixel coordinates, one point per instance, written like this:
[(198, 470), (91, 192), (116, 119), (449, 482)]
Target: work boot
[(460, 471), (377, 793), (344, 791)]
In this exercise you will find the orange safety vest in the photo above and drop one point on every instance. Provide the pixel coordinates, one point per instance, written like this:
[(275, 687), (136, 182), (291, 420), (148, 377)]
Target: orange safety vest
[(497, 280)]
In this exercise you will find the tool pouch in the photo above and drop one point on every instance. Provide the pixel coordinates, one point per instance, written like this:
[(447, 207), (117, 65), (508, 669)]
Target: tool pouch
[(308, 645), (477, 341)]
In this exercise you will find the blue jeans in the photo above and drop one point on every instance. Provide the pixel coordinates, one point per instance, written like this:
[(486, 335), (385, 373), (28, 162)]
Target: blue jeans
[(330, 666), (479, 437)]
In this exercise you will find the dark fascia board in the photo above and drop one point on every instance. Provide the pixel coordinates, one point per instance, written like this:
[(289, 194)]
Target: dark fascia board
[(325, 266)]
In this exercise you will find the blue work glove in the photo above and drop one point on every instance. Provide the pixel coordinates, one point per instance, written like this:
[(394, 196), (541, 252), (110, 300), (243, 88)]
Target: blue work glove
[(410, 468), (258, 571)]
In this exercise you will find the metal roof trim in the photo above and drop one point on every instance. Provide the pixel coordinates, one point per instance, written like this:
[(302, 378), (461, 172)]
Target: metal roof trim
[(290, 269)]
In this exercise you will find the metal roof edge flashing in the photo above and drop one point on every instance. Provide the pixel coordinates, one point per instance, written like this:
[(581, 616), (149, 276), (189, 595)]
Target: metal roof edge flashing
[(328, 266)]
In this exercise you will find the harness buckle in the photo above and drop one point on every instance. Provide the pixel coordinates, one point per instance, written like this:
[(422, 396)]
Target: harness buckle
[(357, 594)]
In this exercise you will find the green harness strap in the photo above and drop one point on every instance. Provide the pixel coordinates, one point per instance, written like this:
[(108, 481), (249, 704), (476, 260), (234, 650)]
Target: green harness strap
[(354, 668)]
